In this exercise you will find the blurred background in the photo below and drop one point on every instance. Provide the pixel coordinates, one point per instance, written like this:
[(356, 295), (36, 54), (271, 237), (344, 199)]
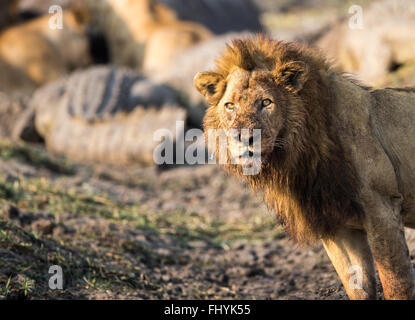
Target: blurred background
[(82, 91)]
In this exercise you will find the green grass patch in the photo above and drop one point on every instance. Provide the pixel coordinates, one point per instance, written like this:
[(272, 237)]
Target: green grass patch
[(37, 194), (35, 156), (26, 260)]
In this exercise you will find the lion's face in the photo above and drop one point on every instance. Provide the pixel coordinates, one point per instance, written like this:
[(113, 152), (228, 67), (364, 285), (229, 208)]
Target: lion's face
[(249, 102)]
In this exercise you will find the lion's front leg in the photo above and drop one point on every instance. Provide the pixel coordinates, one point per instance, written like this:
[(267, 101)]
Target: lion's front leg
[(350, 254), (386, 237)]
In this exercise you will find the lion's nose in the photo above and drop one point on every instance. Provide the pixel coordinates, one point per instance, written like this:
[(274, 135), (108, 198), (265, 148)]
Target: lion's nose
[(251, 141), (244, 137)]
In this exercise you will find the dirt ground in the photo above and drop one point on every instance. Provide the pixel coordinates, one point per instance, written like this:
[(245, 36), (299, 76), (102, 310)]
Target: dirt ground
[(142, 233)]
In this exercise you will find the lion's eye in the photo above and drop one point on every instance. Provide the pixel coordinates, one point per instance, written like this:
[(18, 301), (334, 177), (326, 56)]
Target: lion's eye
[(230, 106), (266, 103)]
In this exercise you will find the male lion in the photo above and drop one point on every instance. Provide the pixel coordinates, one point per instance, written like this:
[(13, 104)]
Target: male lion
[(337, 158)]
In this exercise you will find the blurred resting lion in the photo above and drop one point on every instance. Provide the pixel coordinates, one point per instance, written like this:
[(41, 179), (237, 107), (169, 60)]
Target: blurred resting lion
[(336, 160), (143, 33), (385, 42), (43, 54)]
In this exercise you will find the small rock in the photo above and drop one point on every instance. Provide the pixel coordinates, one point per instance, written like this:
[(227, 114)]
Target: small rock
[(165, 278), (197, 244), (163, 252)]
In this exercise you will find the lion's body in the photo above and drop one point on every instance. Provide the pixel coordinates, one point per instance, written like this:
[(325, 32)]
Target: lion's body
[(390, 117), (143, 33), (167, 42), (57, 51), (376, 128), (337, 157)]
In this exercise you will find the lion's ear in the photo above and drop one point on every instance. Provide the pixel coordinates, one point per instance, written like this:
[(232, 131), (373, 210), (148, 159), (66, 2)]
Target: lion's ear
[(293, 75), (210, 84)]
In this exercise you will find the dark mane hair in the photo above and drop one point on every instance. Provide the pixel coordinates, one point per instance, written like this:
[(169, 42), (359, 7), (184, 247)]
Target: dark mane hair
[(311, 183), (263, 52)]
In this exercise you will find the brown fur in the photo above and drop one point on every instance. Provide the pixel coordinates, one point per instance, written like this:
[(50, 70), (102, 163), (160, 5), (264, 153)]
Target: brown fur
[(43, 54), (386, 39), (143, 33), (167, 42), (8, 12), (14, 80), (337, 156), (308, 179)]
